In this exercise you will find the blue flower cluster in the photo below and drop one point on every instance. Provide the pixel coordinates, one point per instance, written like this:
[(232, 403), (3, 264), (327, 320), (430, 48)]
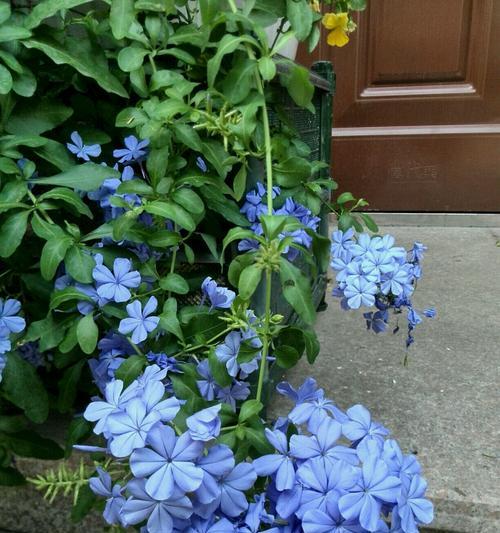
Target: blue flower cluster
[(331, 471), (10, 323), (373, 272), (255, 206)]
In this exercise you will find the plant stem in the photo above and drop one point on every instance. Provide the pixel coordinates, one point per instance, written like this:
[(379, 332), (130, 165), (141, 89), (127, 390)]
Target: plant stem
[(265, 343), (210, 341), (269, 187)]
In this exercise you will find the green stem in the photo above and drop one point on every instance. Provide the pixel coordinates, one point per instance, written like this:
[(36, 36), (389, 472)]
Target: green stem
[(269, 187), (205, 344), (265, 342), (136, 348)]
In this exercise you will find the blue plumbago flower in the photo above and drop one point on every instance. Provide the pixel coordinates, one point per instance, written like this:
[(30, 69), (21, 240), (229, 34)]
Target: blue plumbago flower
[(430, 313), (129, 428), (398, 281), (208, 387), (168, 463), (139, 322), (115, 400), (83, 151), (217, 463), (160, 515), (163, 361), (102, 485), (307, 392), (323, 445), (412, 507), (238, 391), (256, 201), (200, 163), (86, 307), (329, 521), (232, 500), (417, 252), (324, 482), (360, 292), (115, 285), (341, 242), (133, 151), (400, 465), (374, 487), (205, 425), (228, 351), (312, 412), (220, 297), (9, 321), (62, 282), (280, 464), (387, 272), (361, 426)]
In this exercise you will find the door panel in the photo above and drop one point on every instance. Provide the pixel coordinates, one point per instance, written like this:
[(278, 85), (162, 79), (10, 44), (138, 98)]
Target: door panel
[(417, 109)]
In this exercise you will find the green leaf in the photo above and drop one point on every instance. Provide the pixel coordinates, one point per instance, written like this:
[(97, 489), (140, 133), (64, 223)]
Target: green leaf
[(68, 196), (292, 171), (187, 136), (240, 182), (55, 153), (121, 16), (87, 333), (297, 291), (286, 356), (299, 86), (211, 243), (86, 177), (130, 369), (267, 68), (273, 225), (13, 423), (227, 45), (47, 9), (11, 477), (53, 253), (77, 53), (345, 197), (300, 15), (84, 504), (79, 264), (172, 211), (312, 345), (23, 387), (34, 117), (12, 33), (369, 222), (30, 444), (4, 12), (12, 231), (69, 294), (218, 370), (169, 320), (248, 409), (239, 81), (174, 283), (45, 230), (131, 58), (189, 200), (218, 203), (249, 280), (5, 80), (78, 430), (68, 386), (24, 83), (163, 238), (257, 438), (191, 34)]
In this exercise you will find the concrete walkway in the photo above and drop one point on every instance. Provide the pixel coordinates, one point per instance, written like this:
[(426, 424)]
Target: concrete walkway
[(445, 404)]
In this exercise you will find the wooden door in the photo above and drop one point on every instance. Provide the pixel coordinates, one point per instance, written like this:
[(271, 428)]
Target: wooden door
[(417, 107)]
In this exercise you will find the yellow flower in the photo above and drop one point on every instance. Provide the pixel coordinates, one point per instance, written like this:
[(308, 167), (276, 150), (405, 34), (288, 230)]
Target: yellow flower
[(339, 24)]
